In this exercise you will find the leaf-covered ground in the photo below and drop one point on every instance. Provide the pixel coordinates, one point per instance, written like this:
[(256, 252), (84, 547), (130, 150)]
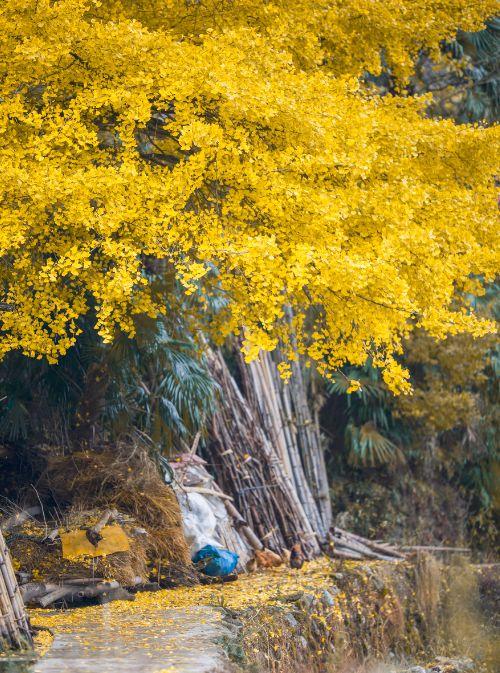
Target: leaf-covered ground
[(321, 618)]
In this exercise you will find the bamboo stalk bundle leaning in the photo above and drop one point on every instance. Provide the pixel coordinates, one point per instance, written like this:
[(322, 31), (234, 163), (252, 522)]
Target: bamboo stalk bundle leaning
[(15, 630), (275, 415), (286, 416), (310, 445), (248, 466), (10, 630)]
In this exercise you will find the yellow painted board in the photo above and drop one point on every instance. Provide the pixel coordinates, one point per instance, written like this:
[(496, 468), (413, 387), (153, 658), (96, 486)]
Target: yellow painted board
[(75, 543)]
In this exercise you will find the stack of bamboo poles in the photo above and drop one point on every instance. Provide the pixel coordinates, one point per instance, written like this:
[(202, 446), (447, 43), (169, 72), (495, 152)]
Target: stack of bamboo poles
[(15, 632), (248, 464), (350, 546), (285, 414)]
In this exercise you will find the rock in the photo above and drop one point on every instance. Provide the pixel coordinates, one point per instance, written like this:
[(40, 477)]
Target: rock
[(291, 621), (307, 600), (303, 643), (327, 598), (447, 665)]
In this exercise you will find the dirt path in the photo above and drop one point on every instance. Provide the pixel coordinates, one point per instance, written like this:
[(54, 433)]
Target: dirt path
[(162, 641)]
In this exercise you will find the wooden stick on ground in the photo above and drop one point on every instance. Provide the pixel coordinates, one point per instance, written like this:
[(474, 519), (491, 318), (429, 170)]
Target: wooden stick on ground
[(76, 593), (459, 550), (84, 581), (362, 550), (34, 590), (344, 554), (94, 533), (383, 549)]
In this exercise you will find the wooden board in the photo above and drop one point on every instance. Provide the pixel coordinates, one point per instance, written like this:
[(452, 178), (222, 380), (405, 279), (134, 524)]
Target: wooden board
[(76, 545)]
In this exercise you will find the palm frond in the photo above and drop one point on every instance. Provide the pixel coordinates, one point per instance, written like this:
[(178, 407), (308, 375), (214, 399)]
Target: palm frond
[(371, 436), (14, 421), (481, 49), (370, 448)]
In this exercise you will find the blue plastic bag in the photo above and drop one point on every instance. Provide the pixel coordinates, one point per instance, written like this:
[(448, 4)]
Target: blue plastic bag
[(215, 562)]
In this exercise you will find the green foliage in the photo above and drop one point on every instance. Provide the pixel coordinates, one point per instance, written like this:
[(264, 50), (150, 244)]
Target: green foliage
[(154, 388), (159, 386), (483, 50), (369, 446), (448, 427), (465, 83), (370, 434)]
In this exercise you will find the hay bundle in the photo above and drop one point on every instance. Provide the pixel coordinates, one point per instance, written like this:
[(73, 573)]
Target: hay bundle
[(44, 562), (129, 483)]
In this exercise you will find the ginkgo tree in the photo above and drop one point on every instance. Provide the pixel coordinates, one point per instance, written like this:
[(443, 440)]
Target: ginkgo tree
[(234, 142)]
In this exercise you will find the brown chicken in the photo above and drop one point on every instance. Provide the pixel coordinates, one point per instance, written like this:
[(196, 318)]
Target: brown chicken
[(267, 559), (297, 556)]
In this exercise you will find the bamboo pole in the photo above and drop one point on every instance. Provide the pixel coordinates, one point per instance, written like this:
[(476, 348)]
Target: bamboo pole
[(248, 466), (458, 550), (345, 554), (286, 416), (377, 547), (12, 605), (309, 441), (12, 631)]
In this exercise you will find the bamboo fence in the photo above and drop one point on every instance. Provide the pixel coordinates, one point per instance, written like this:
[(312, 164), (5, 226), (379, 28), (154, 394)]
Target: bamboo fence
[(15, 631)]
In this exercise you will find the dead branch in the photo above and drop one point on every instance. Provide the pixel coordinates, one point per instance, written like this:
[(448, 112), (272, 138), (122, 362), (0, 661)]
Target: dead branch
[(94, 533)]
